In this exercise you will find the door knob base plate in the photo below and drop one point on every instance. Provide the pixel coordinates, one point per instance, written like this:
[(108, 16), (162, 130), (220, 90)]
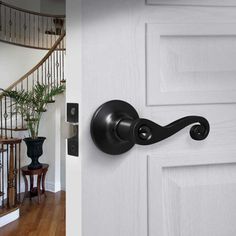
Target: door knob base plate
[(103, 125)]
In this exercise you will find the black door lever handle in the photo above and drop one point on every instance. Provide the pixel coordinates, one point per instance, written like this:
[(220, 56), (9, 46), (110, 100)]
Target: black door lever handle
[(116, 127), (145, 132)]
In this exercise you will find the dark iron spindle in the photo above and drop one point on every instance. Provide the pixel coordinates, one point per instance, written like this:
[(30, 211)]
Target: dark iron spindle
[(25, 27), (5, 115), (22, 118), (10, 27), (15, 171), (29, 28), (1, 118), (7, 172), (11, 117), (34, 30), (3, 175), (16, 112), (19, 167), (5, 23), (15, 27)]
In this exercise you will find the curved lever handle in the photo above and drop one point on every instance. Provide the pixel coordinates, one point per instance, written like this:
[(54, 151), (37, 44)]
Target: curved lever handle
[(146, 132), (116, 128)]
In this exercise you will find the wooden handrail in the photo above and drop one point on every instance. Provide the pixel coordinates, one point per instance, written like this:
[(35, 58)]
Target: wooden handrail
[(38, 65), (26, 46), (31, 12)]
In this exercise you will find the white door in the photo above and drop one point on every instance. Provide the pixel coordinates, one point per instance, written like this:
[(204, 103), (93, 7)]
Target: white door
[(168, 61)]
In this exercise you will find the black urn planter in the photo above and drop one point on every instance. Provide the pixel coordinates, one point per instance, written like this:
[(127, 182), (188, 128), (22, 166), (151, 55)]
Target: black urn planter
[(34, 151)]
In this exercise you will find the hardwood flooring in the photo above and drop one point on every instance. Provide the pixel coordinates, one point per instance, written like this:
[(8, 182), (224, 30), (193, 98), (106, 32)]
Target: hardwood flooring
[(44, 219)]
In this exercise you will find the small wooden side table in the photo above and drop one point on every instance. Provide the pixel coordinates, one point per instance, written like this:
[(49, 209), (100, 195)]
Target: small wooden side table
[(35, 191)]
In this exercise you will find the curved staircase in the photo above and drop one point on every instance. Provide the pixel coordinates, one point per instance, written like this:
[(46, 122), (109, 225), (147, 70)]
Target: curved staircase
[(35, 30)]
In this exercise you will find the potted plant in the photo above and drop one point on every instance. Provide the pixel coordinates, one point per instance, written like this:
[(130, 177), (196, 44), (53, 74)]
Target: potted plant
[(31, 105)]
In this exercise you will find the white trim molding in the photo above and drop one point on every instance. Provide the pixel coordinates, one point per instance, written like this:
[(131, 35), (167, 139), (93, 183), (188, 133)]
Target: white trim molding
[(52, 187), (8, 218), (190, 61)]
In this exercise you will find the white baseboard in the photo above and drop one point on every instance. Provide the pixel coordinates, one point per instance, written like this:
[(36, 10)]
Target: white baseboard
[(52, 187), (8, 218), (63, 188), (49, 186)]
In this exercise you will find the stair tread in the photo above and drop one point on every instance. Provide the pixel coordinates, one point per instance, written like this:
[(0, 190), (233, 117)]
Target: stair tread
[(5, 211)]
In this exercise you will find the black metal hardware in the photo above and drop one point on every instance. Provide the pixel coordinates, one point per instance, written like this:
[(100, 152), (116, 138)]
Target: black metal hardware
[(73, 112), (73, 143), (116, 128)]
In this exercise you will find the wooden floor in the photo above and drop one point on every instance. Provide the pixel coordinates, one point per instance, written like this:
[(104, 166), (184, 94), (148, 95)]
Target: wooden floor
[(44, 219)]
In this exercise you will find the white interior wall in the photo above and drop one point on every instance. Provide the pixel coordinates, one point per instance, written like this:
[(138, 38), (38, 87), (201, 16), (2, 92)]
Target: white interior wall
[(61, 144), (15, 61), (53, 127)]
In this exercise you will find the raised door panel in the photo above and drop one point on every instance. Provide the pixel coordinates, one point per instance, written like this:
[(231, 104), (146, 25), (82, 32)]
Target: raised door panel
[(194, 196), (190, 63)]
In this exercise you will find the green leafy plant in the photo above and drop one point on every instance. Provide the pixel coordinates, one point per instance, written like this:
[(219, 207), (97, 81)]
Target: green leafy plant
[(31, 104)]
